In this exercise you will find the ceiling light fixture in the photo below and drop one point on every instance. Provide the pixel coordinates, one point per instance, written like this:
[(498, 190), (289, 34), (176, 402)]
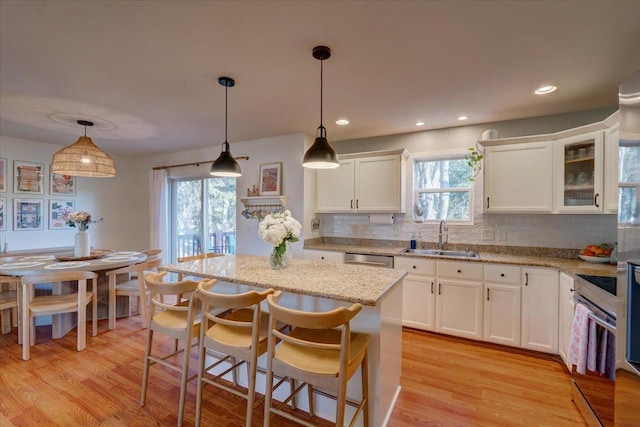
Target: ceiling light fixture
[(543, 90), (461, 118), (225, 164), (83, 158), (321, 155), (420, 123), (342, 122)]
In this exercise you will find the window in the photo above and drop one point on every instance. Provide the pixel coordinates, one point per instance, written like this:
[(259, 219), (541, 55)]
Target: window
[(203, 216), (443, 189), (629, 181)]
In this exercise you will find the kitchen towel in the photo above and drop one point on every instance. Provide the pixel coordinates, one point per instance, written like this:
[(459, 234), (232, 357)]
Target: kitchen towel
[(381, 218), (578, 342), (592, 347)]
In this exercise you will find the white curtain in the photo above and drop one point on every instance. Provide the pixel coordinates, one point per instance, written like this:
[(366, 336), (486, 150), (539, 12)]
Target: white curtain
[(159, 212)]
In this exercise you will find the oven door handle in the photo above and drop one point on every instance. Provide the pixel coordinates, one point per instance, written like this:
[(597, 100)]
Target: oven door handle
[(609, 327)]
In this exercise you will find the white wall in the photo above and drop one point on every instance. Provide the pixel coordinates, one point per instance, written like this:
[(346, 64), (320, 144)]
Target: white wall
[(119, 200)]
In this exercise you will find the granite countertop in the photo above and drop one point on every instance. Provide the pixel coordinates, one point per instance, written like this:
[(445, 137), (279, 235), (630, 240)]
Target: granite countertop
[(572, 266), (349, 283)]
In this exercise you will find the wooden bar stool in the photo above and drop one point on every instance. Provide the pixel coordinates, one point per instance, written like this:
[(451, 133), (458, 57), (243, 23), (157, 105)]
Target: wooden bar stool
[(178, 320), (238, 335), (320, 350)]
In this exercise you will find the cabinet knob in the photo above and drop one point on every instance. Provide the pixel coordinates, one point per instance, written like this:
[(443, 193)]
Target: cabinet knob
[(501, 274), (459, 271), (414, 266), (321, 257)]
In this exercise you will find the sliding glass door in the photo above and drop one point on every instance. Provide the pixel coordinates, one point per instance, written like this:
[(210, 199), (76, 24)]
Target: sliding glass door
[(203, 216)]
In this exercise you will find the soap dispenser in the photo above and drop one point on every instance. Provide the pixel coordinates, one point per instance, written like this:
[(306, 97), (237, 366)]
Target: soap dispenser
[(413, 241)]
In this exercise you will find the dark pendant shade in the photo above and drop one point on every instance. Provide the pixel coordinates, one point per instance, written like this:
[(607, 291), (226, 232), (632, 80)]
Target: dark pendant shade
[(320, 155), (225, 164)]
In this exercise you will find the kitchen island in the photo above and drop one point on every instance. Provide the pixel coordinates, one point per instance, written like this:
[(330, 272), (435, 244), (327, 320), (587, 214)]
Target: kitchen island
[(316, 286)]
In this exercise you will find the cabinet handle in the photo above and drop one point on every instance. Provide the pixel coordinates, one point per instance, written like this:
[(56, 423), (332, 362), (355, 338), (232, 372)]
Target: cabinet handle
[(357, 200), (431, 287), (459, 271), (526, 279), (439, 288), (501, 274), (487, 203), (414, 266), (595, 200), (488, 294), (321, 257), (572, 290), (351, 203)]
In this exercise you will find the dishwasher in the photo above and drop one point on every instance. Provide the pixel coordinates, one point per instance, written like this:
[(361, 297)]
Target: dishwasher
[(384, 261)]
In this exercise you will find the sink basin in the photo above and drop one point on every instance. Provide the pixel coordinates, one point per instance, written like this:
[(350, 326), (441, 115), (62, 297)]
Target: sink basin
[(437, 252)]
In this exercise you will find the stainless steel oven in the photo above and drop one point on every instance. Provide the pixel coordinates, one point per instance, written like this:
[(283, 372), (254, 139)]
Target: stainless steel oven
[(594, 391)]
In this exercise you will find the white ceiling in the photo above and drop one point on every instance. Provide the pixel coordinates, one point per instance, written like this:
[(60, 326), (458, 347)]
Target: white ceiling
[(146, 71)]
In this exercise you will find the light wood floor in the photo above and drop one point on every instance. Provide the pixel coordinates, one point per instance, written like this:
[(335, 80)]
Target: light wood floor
[(445, 381)]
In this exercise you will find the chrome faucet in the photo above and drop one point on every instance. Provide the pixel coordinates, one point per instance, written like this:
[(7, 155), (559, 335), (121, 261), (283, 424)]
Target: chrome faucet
[(443, 228)]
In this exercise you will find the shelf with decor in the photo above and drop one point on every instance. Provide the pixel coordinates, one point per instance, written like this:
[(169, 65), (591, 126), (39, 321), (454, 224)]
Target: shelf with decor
[(258, 207)]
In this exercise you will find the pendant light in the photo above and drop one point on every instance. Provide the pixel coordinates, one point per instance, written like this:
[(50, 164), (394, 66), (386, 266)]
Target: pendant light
[(225, 164), (83, 158), (321, 155)]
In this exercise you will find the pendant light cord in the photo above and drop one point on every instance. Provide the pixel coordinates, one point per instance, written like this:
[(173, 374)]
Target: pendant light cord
[(226, 103), (321, 92)]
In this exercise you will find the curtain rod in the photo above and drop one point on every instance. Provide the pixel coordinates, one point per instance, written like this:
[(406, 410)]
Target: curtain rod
[(155, 168)]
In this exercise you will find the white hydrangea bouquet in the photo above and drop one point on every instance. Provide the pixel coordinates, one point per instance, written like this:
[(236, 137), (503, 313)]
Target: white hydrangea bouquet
[(278, 229), (81, 219)]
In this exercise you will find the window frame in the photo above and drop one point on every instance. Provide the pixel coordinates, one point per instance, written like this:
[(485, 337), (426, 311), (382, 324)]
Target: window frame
[(425, 157)]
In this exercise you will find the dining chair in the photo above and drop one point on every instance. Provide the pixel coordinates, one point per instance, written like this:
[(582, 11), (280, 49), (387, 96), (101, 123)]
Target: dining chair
[(179, 320), (45, 305), (9, 303), (133, 287), (237, 336), (320, 350)]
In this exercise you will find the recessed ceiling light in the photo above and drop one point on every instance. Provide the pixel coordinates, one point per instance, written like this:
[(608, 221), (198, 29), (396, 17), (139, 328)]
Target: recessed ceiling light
[(543, 90), (420, 123), (342, 122), (463, 118)]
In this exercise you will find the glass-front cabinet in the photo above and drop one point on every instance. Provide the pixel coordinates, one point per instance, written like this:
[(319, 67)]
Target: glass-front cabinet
[(580, 169)]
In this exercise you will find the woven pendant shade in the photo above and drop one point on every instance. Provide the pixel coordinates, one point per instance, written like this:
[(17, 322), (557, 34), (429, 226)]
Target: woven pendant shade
[(83, 158)]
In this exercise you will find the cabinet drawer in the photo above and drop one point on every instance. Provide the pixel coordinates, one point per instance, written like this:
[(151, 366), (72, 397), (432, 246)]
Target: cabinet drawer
[(501, 273), (459, 270), (425, 267)]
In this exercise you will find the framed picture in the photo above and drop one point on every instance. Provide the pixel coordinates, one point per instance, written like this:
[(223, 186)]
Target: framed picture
[(63, 184), (3, 214), (27, 214), (29, 177), (270, 178), (3, 175), (59, 211)]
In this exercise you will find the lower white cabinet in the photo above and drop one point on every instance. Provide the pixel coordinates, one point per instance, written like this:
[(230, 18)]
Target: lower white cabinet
[(328, 256), (502, 313), (540, 309), (418, 294), (566, 309), (459, 308)]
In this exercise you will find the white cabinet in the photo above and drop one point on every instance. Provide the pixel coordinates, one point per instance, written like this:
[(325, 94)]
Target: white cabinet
[(501, 323), (611, 146), (418, 294), (566, 309), (459, 299), (540, 309), (365, 183), (325, 256), (579, 173), (518, 178)]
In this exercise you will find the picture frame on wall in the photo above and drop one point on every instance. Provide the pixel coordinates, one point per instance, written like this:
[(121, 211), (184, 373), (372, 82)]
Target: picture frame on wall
[(28, 177), (3, 175), (270, 179), (62, 184), (27, 214), (59, 211), (3, 214)]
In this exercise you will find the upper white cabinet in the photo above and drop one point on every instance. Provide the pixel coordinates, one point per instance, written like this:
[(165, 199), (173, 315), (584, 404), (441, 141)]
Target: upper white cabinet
[(365, 182), (611, 146), (579, 174), (518, 178)]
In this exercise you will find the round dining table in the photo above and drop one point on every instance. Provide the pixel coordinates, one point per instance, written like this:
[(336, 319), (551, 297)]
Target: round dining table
[(99, 262)]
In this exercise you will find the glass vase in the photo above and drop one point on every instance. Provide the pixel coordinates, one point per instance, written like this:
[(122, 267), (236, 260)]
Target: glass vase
[(278, 258), (81, 248)]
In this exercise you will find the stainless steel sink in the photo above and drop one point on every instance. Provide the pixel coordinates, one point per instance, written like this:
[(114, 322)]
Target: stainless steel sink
[(437, 252)]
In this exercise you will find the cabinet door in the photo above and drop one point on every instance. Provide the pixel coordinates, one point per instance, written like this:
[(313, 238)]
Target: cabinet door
[(566, 309), (579, 168), (502, 314), (335, 188), (459, 309), (518, 178), (418, 302), (611, 146), (378, 185), (324, 256), (540, 309)]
